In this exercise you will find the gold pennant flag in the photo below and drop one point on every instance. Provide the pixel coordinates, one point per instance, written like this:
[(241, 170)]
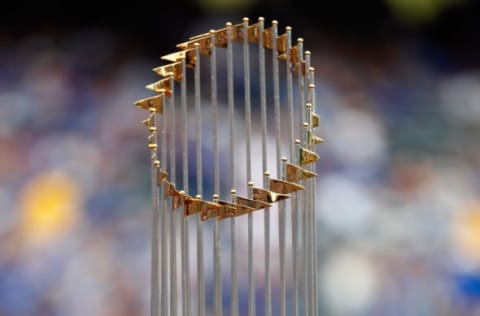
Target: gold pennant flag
[(204, 41), (315, 119), (300, 67), (174, 69), (268, 196), (204, 44), (187, 54), (294, 56), (312, 139), (284, 187), (162, 86), (161, 176), (207, 214), (296, 173), (237, 33), (255, 204), (253, 34), (282, 46), (178, 197), (221, 38), (307, 156), (195, 205), (268, 39), (178, 200), (169, 188), (238, 209), (220, 213), (155, 102), (225, 211), (191, 206)]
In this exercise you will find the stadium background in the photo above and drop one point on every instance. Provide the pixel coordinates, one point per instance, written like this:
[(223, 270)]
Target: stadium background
[(398, 90)]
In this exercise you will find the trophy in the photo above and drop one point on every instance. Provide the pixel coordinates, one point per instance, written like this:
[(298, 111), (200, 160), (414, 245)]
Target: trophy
[(231, 136)]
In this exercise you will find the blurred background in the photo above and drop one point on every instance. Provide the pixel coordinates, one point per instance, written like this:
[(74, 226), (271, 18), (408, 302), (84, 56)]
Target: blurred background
[(398, 91)]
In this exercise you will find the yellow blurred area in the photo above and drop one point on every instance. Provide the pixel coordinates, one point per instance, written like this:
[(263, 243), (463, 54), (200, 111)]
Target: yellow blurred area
[(419, 11), (466, 233), (50, 207)]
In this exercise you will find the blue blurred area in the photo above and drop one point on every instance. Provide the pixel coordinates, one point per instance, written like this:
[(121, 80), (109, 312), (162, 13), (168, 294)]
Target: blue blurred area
[(398, 203)]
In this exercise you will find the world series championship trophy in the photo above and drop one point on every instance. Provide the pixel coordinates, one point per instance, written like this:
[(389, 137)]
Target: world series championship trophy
[(232, 148)]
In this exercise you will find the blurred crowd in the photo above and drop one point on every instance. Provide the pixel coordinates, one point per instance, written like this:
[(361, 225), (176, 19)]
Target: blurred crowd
[(398, 202)]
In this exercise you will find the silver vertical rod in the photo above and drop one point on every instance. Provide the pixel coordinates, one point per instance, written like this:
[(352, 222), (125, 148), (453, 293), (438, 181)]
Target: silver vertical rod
[(307, 246), (314, 218), (301, 84), (248, 129), (294, 254), (308, 207), (164, 220), (198, 142), (156, 210), (185, 229), (216, 180), (268, 275), (298, 272), (293, 201), (289, 79), (298, 242), (231, 119), (173, 224), (263, 114), (306, 253), (281, 205)]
